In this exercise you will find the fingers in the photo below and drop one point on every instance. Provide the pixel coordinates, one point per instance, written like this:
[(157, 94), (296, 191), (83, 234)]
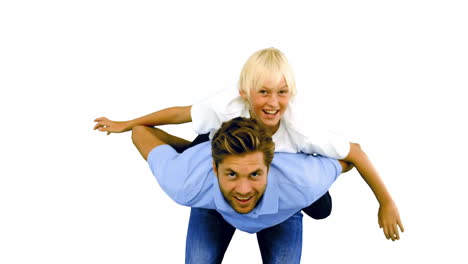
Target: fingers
[(400, 225), (99, 119), (104, 128), (100, 127), (386, 233), (395, 233), (391, 232), (101, 124)]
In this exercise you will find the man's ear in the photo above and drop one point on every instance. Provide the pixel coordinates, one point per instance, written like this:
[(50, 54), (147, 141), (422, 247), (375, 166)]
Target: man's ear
[(215, 170)]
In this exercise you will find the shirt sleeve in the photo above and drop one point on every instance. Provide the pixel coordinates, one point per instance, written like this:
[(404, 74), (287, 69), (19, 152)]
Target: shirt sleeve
[(325, 143), (184, 177)]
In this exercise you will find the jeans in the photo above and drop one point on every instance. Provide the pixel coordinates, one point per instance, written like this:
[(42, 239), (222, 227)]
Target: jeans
[(209, 235)]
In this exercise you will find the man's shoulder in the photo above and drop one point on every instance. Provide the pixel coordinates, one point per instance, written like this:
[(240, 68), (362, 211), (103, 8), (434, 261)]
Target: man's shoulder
[(301, 156), (199, 150), (165, 155), (301, 165), (184, 176), (161, 151)]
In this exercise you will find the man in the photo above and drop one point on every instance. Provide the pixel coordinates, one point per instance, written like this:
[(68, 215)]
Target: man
[(237, 184)]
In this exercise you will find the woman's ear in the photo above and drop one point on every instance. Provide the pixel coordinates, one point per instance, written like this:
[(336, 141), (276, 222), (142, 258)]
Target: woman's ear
[(243, 95)]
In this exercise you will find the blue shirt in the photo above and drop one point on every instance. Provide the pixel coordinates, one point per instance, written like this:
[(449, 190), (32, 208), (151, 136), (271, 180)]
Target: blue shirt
[(294, 182)]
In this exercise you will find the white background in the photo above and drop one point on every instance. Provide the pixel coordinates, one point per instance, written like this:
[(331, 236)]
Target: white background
[(387, 74)]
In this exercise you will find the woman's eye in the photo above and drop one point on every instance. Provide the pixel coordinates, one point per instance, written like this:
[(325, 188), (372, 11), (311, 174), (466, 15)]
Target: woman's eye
[(284, 91), (263, 92)]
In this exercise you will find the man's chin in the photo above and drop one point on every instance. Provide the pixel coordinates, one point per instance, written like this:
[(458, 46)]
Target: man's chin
[(243, 210)]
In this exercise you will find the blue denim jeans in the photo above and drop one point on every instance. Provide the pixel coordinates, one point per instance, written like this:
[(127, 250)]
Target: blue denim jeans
[(209, 235)]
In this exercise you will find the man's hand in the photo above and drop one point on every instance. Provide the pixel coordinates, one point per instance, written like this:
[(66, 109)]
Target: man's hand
[(389, 220), (105, 125)]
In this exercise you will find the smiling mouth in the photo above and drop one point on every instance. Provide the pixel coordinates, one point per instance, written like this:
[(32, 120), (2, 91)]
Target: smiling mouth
[(243, 199), (271, 112)]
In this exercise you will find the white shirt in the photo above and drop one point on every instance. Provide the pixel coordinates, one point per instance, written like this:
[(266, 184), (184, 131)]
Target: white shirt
[(210, 113)]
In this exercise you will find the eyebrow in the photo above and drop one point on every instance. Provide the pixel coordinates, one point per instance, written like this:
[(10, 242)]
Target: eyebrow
[(264, 87), (231, 170)]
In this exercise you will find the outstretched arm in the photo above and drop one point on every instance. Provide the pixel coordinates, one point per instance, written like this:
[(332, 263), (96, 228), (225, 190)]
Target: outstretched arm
[(388, 216), (172, 115)]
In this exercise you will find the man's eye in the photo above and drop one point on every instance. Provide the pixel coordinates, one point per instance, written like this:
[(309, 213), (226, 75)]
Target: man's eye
[(231, 174), (255, 174)]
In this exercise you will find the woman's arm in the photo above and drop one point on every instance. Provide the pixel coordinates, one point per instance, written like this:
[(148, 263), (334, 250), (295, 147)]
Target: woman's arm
[(171, 115), (346, 166), (389, 217)]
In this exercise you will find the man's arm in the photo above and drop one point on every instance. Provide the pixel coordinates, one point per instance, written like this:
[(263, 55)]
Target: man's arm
[(146, 139), (172, 115)]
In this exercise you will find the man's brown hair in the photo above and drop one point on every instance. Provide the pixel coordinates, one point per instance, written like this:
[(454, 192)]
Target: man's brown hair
[(240, 136)]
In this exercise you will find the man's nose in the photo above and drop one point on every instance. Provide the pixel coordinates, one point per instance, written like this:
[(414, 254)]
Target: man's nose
[(244, 187)]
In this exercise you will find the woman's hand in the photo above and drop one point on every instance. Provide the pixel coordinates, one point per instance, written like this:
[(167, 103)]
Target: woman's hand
[(389, 220), (105, 125)]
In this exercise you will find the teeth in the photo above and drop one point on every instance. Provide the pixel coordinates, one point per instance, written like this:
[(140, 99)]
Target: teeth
[(242, 199), (271, 112)]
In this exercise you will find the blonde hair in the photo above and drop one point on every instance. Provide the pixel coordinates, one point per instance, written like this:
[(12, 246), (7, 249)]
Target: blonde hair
[(265, 64), (240, 136)]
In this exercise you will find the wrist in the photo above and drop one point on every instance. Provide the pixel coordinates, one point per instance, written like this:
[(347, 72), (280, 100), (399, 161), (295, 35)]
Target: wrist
[(128, 125), (385, 202)]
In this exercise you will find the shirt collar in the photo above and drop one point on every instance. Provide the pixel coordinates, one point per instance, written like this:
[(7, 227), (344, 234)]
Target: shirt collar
[(269, 204)]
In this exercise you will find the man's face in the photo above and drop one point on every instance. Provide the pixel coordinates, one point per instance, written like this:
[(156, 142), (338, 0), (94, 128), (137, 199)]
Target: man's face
[(269, 103), (242, 180)]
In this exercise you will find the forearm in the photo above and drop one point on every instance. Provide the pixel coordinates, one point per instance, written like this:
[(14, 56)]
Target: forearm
[(171, 115), (370, 175)]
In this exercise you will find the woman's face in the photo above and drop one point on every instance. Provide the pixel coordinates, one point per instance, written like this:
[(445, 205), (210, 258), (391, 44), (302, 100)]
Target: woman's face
[(269, 103)]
